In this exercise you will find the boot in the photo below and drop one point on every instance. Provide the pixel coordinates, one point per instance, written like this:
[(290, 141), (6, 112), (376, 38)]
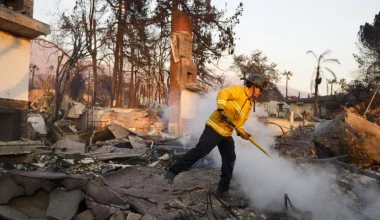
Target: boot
[(231, 200), (169, 177), (225, 195)]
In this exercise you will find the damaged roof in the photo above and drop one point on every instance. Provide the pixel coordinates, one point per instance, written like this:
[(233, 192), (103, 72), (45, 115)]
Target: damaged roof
[(271, 95)]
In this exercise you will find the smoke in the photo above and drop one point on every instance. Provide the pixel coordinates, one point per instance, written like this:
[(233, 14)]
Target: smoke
[(265, 180)]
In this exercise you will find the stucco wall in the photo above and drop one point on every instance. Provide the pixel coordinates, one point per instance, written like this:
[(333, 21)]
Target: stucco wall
[(14, 67), (262, 109), (308, 107), (265, 109)]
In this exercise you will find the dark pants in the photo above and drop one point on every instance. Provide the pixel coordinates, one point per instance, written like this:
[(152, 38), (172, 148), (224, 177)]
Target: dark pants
[(208, 140)]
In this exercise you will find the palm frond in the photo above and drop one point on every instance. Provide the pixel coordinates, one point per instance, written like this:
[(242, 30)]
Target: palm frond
[(310, 51), (331, 61), (322, 56), (325, 53), (332, 72)]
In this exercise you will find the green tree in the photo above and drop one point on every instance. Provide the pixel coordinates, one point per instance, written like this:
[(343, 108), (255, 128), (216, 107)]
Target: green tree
[(320, 70), (258, 63), (213, 32), (342, 83), (368, 57)]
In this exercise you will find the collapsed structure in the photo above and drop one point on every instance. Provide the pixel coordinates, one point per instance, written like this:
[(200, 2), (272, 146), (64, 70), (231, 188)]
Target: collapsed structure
[(117, 173), (108, 163), (17, 29)]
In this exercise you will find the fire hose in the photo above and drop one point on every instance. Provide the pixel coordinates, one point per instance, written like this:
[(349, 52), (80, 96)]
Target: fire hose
[(238, 130)]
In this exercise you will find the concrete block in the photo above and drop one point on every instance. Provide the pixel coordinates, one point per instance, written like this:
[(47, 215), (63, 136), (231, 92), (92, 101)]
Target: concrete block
[(9, 189), (100, 211), (148, 217), (134, 216), (47, 186), (119, 215), (33, 206), (30, 184), (7, 212), (70, 184), (64, 204), (104, 194), (86, 215)]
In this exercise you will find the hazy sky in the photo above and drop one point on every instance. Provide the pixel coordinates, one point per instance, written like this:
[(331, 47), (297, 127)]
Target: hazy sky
[(284, 30)]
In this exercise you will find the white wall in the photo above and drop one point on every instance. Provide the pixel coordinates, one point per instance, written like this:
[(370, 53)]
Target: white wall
[(308, 107), (262, 109), (188, 110), (14, 67)]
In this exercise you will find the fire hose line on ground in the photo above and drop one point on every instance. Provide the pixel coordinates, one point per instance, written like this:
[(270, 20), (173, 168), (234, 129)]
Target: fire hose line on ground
[(228, 121), (283, 135), (308, 215), (287, 200), (209, 203)]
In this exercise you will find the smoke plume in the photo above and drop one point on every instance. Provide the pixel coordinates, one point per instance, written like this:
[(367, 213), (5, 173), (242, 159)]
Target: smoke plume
[(265, 180)]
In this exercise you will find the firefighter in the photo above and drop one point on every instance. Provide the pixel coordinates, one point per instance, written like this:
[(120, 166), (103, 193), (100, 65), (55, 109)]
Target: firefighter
[(234, 103)]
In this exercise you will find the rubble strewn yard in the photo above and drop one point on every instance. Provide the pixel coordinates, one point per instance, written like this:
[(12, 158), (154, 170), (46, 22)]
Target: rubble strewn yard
[(116, 173)]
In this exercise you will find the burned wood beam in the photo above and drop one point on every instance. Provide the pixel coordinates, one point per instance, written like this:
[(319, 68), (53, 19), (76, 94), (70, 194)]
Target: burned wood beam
[(335, 161), (321, 161), (19, 149), (357, 170)]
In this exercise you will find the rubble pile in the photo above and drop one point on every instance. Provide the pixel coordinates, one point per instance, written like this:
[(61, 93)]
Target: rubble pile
[(185, 199), (23, 150), (22, 142), (47, 195), (351, 186), (134, 119), (296, 147), (304, 131), (349, 134), (115, 171)]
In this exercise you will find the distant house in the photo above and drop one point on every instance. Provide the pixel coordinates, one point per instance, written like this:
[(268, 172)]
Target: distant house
[(17, 28), (271, 103), (326, 104), (300, 105)]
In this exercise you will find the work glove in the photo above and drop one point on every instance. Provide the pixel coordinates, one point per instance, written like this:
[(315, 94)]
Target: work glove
[(222, 115), (243, 134)]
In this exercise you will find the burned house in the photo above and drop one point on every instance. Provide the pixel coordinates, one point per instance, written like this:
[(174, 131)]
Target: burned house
[(327, 105), (271, 103), (17, 29)]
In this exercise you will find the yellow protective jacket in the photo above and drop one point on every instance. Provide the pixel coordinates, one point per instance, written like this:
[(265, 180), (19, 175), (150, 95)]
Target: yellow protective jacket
[(237, 106)]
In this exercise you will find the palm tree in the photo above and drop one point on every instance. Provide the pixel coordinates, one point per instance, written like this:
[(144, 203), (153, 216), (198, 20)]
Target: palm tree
[(32, 69), (288, 74), (320, 69), (342, 83), (331, 81)]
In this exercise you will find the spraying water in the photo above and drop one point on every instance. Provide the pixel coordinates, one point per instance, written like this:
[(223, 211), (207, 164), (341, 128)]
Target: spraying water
[(265, 180)]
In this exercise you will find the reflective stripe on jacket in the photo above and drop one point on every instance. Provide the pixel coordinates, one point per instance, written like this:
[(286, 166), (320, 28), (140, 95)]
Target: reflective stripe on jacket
[(237, 106)]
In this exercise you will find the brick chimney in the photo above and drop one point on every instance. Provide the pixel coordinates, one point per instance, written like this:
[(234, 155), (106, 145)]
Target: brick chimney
[(22, 6), (28, 6)]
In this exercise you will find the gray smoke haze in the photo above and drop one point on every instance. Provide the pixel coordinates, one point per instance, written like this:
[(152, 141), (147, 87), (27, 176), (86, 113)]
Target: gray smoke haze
[(265, 180)]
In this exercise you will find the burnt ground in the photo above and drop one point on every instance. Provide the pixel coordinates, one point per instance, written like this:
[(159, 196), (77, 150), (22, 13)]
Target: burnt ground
[(185, 199)]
